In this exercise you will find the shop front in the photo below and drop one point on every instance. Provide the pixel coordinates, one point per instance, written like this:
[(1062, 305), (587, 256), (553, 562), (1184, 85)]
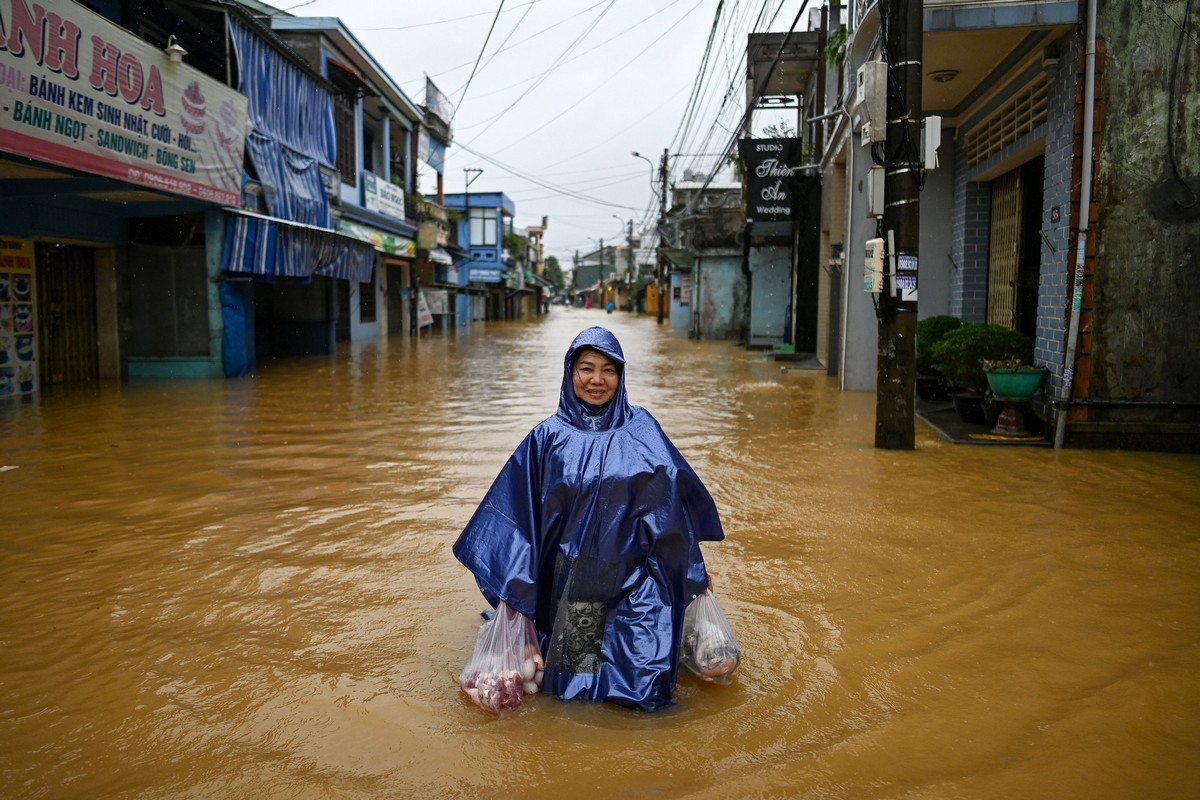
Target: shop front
[(105, 188)]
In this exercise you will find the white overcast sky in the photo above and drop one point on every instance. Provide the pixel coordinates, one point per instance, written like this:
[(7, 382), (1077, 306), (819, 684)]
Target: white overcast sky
[(564, 90)]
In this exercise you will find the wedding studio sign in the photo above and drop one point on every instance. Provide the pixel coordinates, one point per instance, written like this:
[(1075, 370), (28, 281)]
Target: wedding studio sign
[(772, 178), (79, 91)]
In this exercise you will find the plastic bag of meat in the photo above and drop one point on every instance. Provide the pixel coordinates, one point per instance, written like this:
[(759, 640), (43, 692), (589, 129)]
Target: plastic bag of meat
[(709, 649), (506, 663)]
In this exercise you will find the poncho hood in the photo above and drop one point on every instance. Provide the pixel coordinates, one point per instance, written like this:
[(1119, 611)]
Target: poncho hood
[(617, 412)]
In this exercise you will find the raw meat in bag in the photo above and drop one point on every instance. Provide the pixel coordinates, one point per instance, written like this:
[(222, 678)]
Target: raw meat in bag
[(709, 649), (506, 663)]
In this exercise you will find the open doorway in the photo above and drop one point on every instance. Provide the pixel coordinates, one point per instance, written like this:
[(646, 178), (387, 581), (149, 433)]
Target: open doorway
[(1014, 248)]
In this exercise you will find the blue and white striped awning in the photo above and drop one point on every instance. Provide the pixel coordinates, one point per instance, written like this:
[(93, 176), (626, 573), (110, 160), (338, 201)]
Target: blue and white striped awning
[(274, 248)]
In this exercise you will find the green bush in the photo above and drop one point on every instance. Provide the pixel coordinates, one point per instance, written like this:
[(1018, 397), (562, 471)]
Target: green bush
[(930, 331), (959, 356)]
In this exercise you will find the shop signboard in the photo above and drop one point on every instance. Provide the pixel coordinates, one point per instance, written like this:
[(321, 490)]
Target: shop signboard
[(78, 91), (381, 240), (484, 274), (773, 168), (383, 197), (424, 315), (18, 320)]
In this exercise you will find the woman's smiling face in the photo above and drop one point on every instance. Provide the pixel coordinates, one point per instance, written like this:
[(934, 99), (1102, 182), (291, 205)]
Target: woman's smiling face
[(595, 377)]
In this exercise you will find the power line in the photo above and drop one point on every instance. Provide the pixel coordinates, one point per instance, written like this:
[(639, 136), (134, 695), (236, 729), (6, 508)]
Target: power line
[(751, 103), (561, 113), (481, 50), (519, 42), (544, 184), (558, 61)]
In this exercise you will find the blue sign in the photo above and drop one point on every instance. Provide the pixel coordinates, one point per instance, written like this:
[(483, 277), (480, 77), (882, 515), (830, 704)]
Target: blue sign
[(484, 274)]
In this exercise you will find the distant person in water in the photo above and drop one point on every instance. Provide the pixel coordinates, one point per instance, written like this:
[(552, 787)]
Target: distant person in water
[(592, 530)]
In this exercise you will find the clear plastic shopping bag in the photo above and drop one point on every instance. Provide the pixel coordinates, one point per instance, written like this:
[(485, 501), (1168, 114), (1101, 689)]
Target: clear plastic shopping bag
[(709, 649), (506, 663)]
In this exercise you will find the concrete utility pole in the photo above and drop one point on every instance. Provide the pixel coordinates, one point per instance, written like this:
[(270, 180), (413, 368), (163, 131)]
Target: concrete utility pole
[(629, 260), (895, 404), (662, 234)]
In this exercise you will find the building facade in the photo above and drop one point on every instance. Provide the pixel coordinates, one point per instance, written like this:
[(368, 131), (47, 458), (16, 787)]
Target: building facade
[(1060, 205), (222, 186)]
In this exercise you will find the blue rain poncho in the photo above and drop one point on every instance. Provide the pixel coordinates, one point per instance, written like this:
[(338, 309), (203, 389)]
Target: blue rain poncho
[(593, 529)]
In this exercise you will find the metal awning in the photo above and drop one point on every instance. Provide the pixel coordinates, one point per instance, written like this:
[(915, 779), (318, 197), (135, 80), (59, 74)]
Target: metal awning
[(439, 256)]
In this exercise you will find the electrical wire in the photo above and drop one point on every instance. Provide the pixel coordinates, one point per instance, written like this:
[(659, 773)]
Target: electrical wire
[(500, 47), (692, 105), (717, 127), (558, 61), (517, 43), (905, 146), (424, 24), (683, 139), (560, 114), (561, 190), (750, 106), (477, 58)]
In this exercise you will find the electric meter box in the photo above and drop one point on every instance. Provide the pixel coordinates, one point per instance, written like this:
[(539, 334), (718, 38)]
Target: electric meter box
[(873, 266), (870, 99)]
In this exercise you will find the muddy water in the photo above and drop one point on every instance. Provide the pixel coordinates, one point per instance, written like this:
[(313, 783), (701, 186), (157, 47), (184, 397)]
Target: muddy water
[(245, 590)]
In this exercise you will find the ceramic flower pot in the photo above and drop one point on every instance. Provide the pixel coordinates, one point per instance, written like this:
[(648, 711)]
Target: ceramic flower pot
[(1013, 387), (1015, 384)]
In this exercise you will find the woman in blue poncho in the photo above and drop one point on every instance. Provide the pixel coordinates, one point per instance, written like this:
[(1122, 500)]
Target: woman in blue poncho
[(593, 529)]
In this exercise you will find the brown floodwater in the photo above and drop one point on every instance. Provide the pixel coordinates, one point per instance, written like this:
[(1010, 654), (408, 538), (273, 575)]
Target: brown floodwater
[(244, 589)]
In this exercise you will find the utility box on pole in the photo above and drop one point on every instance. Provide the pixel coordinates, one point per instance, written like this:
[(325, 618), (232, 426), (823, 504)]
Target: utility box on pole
[(871, 95)]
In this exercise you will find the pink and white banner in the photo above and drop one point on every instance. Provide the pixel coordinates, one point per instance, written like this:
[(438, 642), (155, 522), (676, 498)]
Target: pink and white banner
[(81, 92)]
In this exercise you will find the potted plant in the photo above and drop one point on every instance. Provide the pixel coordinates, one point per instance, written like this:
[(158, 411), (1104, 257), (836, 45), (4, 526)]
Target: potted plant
[(931, 384), (960, 357), (1013, 382), (1013, 378)]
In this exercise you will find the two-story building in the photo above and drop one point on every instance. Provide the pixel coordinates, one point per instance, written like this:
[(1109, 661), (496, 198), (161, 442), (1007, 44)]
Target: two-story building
[(381, 135), (480, 285)]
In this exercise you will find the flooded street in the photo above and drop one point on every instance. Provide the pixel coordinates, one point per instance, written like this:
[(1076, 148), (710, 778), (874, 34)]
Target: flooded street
[(244, 589)]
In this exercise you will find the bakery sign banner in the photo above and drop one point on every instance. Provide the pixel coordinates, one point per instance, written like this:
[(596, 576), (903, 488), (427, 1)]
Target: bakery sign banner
[(773, 167), (81, 92)]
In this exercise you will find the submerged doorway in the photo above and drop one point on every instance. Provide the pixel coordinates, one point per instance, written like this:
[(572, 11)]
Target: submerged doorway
[(1014, 247), (67, 338)]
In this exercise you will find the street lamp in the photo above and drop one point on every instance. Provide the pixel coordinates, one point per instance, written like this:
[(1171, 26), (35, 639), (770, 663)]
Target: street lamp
[(636, 154)]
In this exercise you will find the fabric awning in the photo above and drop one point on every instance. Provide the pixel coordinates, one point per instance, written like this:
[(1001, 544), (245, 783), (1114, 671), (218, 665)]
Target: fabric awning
[(292, 128), (275, 248), (439, 256)]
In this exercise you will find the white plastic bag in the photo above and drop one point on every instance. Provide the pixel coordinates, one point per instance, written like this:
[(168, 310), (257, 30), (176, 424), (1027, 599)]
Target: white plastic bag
[(709, 649), (506, 663)]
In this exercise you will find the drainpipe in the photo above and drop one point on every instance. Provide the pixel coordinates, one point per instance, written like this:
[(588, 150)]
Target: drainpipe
[(1085, 203)]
